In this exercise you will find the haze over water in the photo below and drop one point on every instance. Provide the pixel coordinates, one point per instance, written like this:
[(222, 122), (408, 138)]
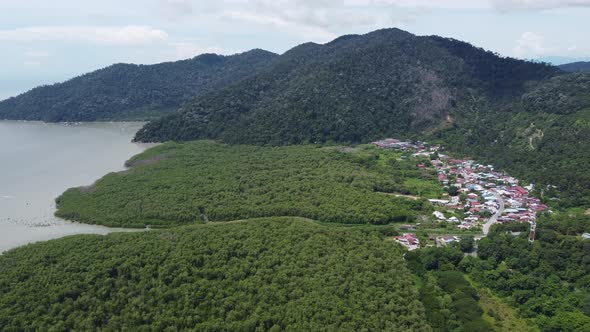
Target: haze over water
[(39, 161)]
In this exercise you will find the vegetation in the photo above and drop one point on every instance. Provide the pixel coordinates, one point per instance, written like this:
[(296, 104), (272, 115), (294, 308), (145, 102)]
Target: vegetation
[(285, 273), (450, 301), (528, 118), (548, 282), (126, 91), (353, 89), (275, 274), (540, 138), (501, 315), (181, 183)]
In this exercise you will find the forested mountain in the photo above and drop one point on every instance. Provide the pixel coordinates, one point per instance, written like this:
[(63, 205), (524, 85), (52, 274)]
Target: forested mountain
[(527, 118), (128, 91), (261, 275), (353, 89), (581, 66)]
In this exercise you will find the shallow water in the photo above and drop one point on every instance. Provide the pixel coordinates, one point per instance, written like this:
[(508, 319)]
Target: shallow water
[(39, 161)]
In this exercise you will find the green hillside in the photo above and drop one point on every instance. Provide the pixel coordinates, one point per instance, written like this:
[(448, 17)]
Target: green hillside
[(353, 89), (272, 275), (183, 183), (127, 91), (542, 137)]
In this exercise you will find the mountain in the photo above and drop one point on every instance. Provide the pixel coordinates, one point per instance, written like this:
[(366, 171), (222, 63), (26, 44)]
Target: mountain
[(528, 118), (580, 66), (558, 60), (128, 91), (353, 89)]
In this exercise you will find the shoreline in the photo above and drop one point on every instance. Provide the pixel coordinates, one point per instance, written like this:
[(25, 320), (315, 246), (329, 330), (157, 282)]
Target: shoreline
[(60, 229), (49, 159)]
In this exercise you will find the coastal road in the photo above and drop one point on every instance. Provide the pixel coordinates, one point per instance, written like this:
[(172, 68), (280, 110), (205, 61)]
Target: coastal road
[(493, 219)]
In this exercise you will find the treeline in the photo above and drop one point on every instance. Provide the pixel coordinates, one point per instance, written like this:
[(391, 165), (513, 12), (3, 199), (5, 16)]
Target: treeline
[(268, 275), (181, 183), (132, 92)]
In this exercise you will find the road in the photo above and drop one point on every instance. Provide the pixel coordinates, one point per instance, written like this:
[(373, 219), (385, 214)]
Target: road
[(493, 219)]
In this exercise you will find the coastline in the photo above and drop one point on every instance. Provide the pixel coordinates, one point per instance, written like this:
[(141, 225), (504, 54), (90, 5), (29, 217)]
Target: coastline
[(48, 159)]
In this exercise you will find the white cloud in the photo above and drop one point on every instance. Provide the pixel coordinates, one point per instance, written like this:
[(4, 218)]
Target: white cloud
[(576, 50), (315, 20), (509, 5), (32, 63), (175, 9), (37, 54), (126, 35), (308, 31), (430, 4), (336, 14), (186, 50), (531, 45)]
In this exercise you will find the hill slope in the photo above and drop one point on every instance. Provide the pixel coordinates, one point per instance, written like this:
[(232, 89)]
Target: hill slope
[(279, 274), (576, 66), (126, 91), (540, 137), (353, 89)]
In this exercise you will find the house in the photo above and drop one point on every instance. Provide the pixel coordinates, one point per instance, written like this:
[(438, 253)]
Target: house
[(438, 201), (439, 215), (521, 191), (408, 240), (445, 240)]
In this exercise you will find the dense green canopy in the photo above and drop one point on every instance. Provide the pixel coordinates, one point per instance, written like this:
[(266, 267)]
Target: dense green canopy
[(548, 281), (279, 274), (180, 183)]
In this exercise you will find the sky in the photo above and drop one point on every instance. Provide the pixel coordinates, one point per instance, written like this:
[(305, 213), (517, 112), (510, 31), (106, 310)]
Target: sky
[(44, 42)]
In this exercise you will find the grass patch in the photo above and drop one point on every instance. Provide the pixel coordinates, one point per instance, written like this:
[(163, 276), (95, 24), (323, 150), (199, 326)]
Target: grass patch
[(500, 314)]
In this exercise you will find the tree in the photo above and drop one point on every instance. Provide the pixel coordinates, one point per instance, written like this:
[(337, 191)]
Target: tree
[(467, 243)]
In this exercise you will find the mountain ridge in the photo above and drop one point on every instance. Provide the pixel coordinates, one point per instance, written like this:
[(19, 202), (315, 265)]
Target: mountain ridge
[(394, 81), (124, 91), (580, 66)]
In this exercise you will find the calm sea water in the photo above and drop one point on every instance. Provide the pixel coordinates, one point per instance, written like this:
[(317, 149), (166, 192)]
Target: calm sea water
[(38, 161)]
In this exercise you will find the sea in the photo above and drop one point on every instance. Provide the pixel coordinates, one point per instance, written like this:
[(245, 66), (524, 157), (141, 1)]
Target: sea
[(39, 161)]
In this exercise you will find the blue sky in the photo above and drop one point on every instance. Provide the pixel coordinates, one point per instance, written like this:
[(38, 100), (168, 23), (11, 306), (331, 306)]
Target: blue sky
[(49, 41)]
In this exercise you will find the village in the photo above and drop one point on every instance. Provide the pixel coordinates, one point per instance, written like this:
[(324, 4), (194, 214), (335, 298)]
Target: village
[(479, 194)]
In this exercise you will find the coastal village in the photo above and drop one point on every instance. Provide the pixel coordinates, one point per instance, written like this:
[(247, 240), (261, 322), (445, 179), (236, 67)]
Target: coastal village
[(478, 193)]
